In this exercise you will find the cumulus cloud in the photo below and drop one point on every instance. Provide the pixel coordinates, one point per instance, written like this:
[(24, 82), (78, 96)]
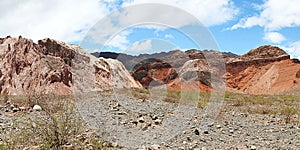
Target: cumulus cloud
[(274, 37), (70, 20), (120, 40), (274, 15), (293, 49), (140, 46), (66, 20), (208, 12)]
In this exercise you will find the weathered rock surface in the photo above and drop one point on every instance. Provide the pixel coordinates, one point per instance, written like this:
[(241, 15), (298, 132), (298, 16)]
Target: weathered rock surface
[(51, 66), (264, 70)]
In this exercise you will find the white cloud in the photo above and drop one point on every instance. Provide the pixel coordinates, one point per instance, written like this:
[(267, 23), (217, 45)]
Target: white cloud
[(293, 49), (69, 20), (169, 36), (141, 46), (274, 37), (120, 41), (66, 20), (207, 12), (275, 15)]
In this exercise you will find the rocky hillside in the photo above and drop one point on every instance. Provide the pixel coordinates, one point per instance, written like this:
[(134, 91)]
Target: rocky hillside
[(263, 70), (51, 66)]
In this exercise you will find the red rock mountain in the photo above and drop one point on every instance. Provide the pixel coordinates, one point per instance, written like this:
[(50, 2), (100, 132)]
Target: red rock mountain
[(263, 70), (51, 66)]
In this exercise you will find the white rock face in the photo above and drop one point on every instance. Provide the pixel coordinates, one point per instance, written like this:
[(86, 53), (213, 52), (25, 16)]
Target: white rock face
[(51, 66)]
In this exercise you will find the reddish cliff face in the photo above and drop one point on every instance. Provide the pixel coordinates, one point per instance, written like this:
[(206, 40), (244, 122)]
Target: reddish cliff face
[(26, 70), (153, 72), (50, 67), (264, 70), (201, 72)]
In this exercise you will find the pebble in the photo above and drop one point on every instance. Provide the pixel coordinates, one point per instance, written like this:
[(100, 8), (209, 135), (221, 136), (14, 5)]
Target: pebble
[(157, 121), (22, 108), (196, 132), (253, 147), (205, 132), (155, 147), (141, 120), (37, 108), (15, 109)]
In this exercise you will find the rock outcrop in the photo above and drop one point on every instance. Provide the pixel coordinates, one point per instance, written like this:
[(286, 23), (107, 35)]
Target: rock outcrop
[(51, 66), (264, 70)]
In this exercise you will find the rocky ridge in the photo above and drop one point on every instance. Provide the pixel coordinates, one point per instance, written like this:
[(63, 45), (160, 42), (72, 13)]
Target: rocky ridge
[(51, 66)]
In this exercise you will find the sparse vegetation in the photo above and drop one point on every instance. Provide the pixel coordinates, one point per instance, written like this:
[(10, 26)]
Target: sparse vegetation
[(56, 127), (286, 105), (288, 112)]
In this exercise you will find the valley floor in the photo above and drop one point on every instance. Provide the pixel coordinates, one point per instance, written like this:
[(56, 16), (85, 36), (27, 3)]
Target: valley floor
[(131, 120)]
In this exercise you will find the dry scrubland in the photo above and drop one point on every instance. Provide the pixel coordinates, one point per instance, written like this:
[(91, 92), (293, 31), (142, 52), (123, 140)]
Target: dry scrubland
[(59, 126)]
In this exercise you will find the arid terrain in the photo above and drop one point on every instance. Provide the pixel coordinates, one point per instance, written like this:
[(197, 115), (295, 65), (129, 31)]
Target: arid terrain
[(58, 96)]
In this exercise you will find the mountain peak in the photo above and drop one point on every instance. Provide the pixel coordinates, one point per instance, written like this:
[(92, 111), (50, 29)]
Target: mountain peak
[(266, 51)]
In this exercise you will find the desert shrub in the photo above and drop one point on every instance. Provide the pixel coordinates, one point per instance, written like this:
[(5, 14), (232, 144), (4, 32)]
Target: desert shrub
[(288, 112), (140, 93), (51, 128)]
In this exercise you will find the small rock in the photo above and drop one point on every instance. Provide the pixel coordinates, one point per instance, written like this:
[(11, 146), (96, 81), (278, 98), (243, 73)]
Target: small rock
[(218, 126), (154, 117), (231, 131), (68, 147), (205, 132), (22, 108), (253, 147), (15, 109), (121, 113), (37, 108), (157, 121), (114, 144), (155, 147), (197, 132), (141, 120)]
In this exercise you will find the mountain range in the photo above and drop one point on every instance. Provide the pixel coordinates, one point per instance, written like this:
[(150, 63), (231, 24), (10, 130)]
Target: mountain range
[(51, 66)]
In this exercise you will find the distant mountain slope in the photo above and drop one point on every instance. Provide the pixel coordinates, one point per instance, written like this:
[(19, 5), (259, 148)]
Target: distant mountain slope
[(263, 70), (175, 58)]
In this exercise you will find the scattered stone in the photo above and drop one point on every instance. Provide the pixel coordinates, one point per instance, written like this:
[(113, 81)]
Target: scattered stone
[(231, 131), (253, 147), (154, 117), (218, 126), (37, 108), (155, 147), (157, 121), (205, 132), (15, 109), (22, 108), (114, 144), (197, 132), (141, 120), (68, 147)]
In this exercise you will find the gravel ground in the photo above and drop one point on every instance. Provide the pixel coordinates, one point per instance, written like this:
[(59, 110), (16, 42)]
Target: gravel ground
[(134, 123)]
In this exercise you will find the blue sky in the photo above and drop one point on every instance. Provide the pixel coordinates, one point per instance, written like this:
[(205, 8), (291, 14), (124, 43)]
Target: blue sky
[(129, 27)]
